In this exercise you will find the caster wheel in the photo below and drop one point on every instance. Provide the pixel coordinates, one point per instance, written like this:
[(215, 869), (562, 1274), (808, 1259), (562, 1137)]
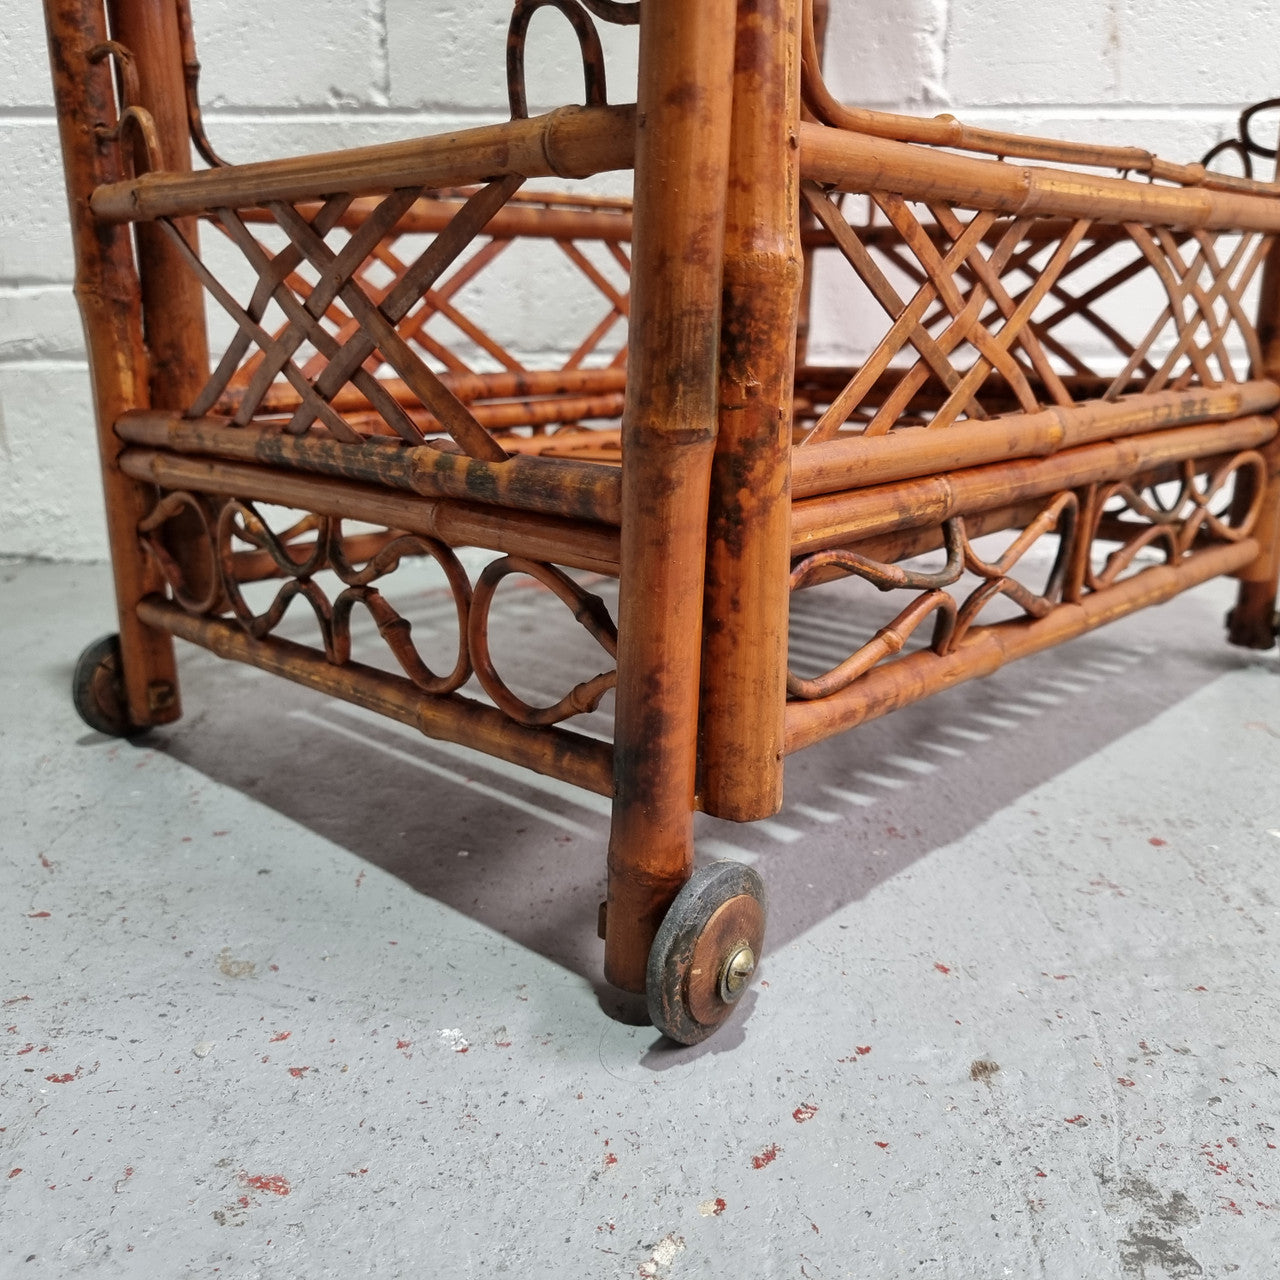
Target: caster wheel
[(706, 950), (97, 689)]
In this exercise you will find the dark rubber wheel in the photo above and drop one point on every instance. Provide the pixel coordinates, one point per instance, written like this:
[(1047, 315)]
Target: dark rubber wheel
[(97, 689), (706, 950)]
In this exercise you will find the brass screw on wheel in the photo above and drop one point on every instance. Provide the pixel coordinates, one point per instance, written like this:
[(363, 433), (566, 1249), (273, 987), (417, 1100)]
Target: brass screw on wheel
[(706, 951)]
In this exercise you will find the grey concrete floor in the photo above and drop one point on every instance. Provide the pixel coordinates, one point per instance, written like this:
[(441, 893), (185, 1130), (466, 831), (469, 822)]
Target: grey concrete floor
[(288, 992)]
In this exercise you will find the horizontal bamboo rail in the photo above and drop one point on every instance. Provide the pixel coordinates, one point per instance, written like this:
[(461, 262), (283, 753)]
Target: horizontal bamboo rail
[(560, 487), (833, 520), (907, 453), (281, 397), (571, 142), (984, 649), (855, 162), (575, 543), (947, 131), (513, 221), (502, 416), (559, 753)]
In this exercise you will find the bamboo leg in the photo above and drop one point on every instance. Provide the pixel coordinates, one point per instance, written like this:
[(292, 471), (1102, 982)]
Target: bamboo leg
[(107, 290), (172, 297), (744, 657), (682, 148), (1253, 621)]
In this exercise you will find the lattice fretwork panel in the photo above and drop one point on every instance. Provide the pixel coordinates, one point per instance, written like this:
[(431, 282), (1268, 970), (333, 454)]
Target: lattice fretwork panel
[(393, 315), (953, 314)]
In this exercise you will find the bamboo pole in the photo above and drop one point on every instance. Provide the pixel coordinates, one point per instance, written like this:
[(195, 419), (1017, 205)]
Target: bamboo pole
[(984, 649), (608, 223), (839, 518), (681, 158), (571, 142), (281, 397), (744, 649), (862, 461), (947, 131), (855, 162), (172, 298), (538, 537), (559, 753), (563, 487), (106, 290)]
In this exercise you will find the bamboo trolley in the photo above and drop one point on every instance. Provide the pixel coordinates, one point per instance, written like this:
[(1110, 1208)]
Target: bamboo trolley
[(707, 465)]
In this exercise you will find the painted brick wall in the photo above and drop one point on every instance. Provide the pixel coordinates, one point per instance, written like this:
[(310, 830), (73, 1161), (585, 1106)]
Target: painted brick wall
[(320, 74)]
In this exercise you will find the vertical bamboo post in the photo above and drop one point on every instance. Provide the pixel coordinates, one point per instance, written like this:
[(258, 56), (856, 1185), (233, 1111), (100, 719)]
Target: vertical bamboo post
[(744, 655), (1252, 623), (172, 297), (820, 16), (106, 289), (668, 436)]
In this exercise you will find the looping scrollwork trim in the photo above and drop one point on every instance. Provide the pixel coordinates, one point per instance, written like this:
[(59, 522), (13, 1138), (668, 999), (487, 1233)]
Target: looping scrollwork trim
[(240, 520), (1244, 144), (888, 577), (171, 505), (588, 609), (593, 71)]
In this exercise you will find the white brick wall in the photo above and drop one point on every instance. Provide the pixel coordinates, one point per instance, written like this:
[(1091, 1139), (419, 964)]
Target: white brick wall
[(328, 73)]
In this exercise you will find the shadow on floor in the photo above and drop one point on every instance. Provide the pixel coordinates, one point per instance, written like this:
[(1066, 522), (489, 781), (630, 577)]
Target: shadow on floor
[(526, 857)]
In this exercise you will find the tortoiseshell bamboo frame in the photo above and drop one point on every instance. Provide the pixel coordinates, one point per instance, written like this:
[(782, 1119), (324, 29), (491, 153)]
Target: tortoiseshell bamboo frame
[(745, 472)]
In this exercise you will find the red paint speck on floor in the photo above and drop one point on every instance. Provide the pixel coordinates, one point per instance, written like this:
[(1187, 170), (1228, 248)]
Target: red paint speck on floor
[(805, 1111), (27, 1049), (276, 1183), (45, 863), (243, 1201), (66, 1078), (1073, 1119), (884, 1146), (1156, 842), (862, 1050), (610, 1159), (37, 915), (941, 968), (298, 1072), (767, 1156), (16, 1000), (719, 1207), (1201, 988), (403, 1044), (1124, 1080), (1040, 1173), (280, 1035), (13, 1173)]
